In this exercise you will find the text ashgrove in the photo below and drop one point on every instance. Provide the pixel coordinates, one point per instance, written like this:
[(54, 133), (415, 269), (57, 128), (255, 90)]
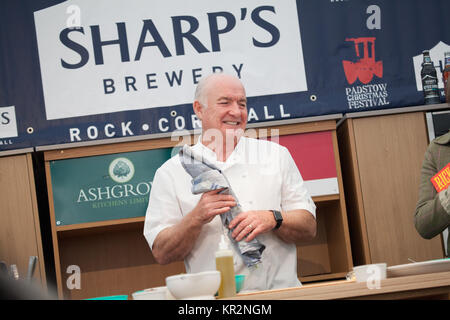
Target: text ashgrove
[(114, 192)]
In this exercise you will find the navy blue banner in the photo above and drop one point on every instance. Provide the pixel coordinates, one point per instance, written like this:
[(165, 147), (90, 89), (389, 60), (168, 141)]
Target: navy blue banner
[(357, 55)]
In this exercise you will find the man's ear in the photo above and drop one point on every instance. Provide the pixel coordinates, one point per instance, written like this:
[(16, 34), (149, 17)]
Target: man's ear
[(198, 109)]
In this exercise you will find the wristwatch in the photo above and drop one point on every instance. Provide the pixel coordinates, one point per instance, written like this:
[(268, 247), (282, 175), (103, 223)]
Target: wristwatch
[(278, 218)]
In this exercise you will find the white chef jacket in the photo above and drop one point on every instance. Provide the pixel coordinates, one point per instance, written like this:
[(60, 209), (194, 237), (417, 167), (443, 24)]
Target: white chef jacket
[(263, 176)]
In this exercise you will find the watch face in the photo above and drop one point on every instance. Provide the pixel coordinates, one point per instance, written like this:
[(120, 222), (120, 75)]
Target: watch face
[(277, 215), (278, 218)]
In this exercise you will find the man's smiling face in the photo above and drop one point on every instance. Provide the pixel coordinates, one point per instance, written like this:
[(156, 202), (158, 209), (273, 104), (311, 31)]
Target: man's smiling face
[(227, 106)]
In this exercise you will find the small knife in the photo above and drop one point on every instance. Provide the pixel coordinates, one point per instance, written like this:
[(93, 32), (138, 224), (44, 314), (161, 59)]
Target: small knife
[(31, 266)]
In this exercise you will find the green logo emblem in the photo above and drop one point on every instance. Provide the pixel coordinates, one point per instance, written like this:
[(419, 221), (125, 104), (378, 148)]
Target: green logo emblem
[(121, 170)]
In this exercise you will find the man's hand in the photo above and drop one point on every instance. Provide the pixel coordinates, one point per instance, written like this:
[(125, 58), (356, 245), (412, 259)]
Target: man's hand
[(211, 204), (251, 223), (174, 243), (298, 225)]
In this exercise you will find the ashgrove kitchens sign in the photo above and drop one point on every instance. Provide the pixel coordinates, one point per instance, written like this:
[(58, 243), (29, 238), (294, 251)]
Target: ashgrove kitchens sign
[(110, 56), (104, 187)]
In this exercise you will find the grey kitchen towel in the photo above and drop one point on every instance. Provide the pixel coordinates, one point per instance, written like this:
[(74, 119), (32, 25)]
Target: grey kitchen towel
[(207, 177)]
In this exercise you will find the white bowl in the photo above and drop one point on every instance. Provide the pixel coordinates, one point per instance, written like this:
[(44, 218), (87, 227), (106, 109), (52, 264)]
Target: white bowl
[(194, 286), (158, 293)]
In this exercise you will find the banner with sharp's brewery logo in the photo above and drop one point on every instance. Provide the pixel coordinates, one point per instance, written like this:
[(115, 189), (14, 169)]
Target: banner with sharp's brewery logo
[(144, 54), (104, 187), (75, 71)]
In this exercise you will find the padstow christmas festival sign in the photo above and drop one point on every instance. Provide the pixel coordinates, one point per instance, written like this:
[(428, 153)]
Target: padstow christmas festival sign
[(85, 70)]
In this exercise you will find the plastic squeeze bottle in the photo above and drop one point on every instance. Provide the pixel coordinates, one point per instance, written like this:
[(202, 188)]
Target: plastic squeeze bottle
[(225, 264)]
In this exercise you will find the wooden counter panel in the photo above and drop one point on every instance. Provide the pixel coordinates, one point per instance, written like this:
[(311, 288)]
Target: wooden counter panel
[(313, 256), (112, 263), (353, 194), (390, 151), (20, 233), (394, 288)]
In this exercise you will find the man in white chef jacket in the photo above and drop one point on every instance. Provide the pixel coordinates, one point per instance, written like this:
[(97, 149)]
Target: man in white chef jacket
[(277, 208)]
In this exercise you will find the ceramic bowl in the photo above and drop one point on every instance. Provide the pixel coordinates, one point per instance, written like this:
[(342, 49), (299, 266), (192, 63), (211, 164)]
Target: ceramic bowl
[(194, 286)]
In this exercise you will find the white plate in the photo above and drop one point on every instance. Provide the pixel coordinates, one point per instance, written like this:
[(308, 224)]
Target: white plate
[(432, 266)]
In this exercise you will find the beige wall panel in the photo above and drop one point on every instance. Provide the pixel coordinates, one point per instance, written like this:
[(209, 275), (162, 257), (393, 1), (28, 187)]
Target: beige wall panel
[(390, 152), (20, 235)]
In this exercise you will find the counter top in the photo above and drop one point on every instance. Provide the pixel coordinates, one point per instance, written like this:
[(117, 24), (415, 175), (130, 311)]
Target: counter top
[(16, 152), (416, 286)]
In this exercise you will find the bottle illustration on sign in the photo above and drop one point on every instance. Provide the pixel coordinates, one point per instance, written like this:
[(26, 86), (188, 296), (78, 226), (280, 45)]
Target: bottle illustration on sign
[(429, 80), (446, 71), (366, 67)]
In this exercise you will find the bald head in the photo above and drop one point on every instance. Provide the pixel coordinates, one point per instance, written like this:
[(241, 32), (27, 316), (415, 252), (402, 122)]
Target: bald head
[(210, 82)]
